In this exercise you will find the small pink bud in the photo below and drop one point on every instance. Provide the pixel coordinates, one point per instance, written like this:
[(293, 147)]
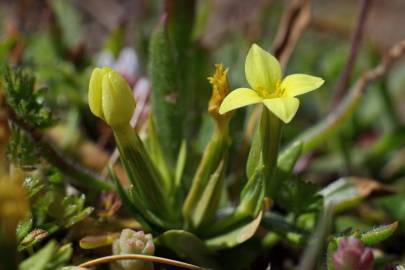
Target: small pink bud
[(352, 255)]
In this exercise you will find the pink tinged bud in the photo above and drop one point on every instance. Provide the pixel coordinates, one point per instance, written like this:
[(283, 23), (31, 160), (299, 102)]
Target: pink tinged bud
[(352, 255), (139, 245), (140, 235), (149, 248), (131, 242)]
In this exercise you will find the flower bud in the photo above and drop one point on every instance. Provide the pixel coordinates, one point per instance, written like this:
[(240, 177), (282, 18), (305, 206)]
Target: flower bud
[(131, 242), (110, 97), (352, 255)]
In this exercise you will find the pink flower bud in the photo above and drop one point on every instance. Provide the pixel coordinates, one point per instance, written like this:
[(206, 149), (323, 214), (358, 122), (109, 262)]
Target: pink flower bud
[(352, 255)]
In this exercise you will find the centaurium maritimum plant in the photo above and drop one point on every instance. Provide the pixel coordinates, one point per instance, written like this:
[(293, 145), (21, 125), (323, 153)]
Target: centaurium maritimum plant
[(157, 192)]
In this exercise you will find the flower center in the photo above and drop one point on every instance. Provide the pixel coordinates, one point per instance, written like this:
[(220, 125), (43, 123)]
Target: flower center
[(265, 93)]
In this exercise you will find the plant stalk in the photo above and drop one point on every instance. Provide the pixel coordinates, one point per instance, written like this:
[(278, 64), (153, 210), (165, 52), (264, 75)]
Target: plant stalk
[(270, 134)]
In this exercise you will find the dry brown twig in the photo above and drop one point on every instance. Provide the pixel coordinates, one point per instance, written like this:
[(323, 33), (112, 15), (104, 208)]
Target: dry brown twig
[(356, 41), (146, 258)]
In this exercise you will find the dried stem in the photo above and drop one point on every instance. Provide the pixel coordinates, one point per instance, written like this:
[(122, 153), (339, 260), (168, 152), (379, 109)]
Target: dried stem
[(293, 22), (320, 132), (77, 174), (146, 258), (356, 41)]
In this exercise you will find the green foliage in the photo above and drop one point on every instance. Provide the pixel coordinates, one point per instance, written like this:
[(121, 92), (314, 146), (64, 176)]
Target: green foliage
[(51, 209), (299, 197), (378, 234), (20, 149), (49, 257), (28, 103)]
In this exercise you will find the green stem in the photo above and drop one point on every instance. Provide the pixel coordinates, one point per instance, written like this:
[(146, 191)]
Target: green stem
[(270, 134), (213, 155)]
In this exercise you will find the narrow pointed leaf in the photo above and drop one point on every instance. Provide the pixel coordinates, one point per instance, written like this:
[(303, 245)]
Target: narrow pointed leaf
[(236, 236), (378, 234)]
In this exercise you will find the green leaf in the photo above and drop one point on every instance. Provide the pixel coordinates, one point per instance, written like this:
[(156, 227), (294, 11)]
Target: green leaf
[(252, 195), (287, 161), (215, 153), (40, 259), (236, 236), (378, 234), (27, 102), (61, 257), (187, 245), (207, 205), (180, 164), (279, 224), (167, 95), (250, 205), (24, 227), (298, 196), (348, 192), (154, 149), (32, 238)]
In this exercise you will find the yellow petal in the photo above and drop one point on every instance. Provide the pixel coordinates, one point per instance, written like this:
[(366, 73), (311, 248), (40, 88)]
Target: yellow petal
[(283, 107), (95, 91), (262, 70), (239, 98), (298, 84), (117, 100)]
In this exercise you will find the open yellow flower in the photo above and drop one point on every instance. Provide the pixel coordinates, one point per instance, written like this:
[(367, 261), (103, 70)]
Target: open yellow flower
[(263, 73)]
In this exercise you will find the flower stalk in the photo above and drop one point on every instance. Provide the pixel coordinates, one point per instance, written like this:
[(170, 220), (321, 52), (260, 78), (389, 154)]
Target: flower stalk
[(203, 199), (270, 134)]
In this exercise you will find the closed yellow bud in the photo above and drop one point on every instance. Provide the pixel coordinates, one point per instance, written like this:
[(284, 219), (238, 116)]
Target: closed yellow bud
[(110, 97)]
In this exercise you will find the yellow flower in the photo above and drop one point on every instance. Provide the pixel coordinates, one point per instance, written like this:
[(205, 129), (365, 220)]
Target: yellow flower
[(263, 73), (110, 97)]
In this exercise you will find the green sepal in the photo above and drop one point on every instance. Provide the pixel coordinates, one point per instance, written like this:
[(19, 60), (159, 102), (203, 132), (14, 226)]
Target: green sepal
[(378, 234)]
